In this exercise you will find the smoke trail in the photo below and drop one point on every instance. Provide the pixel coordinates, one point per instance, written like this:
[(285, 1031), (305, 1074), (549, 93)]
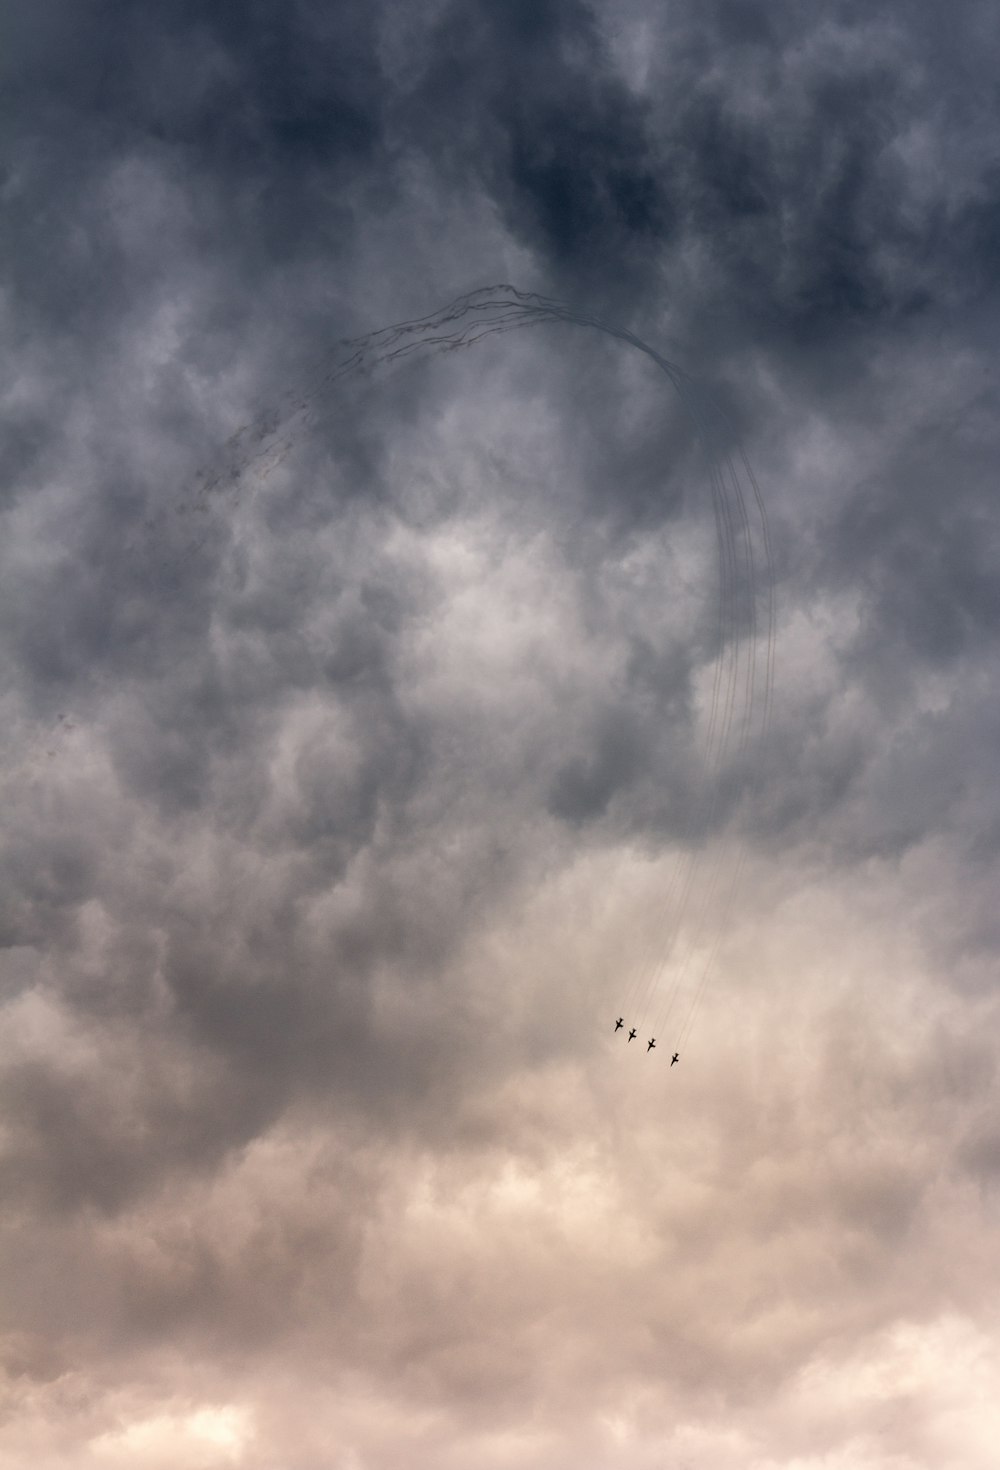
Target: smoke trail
[(701, 893)]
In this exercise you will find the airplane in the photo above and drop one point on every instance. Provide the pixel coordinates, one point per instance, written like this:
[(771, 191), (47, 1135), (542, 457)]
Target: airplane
[(650, 1043), (631, 1035), (675, 1058), (619, 1024)]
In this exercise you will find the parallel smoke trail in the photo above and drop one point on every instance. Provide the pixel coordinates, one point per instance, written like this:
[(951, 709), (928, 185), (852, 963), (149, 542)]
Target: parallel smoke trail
[(739, 703)]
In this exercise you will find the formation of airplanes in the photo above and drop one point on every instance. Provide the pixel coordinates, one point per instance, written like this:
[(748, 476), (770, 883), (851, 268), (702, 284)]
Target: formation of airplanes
[(650, 1044)]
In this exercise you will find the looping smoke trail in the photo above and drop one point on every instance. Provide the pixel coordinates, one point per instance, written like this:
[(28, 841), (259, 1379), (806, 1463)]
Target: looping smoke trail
[(700, 896)]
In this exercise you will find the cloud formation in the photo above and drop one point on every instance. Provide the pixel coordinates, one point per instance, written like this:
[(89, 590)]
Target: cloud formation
[(354, 735)]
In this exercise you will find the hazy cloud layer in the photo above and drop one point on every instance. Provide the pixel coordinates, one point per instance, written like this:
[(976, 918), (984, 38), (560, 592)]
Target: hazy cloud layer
[(353, 741)]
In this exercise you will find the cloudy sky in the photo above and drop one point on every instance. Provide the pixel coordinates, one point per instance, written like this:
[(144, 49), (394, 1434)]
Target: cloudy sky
[(357, 753)]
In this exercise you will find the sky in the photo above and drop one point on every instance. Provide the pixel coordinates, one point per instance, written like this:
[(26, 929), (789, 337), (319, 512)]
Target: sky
[(358, 757)]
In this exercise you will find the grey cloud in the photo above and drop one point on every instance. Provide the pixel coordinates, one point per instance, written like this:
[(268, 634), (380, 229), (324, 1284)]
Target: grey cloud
[(350, 734), (560, 145), (920, 539), (809, 197)]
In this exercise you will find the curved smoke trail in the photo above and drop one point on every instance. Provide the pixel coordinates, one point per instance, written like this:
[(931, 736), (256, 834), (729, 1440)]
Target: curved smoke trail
[(700, 897)]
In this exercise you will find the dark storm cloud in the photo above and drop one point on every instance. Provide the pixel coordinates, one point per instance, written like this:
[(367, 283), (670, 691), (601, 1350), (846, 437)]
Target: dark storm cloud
[(813, 164), (520, 100), (289, 96), (348, 733), (794, 159), (265, 142)]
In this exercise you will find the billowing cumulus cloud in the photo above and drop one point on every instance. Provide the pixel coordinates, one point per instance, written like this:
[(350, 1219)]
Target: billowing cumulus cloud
[(372, 739)]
